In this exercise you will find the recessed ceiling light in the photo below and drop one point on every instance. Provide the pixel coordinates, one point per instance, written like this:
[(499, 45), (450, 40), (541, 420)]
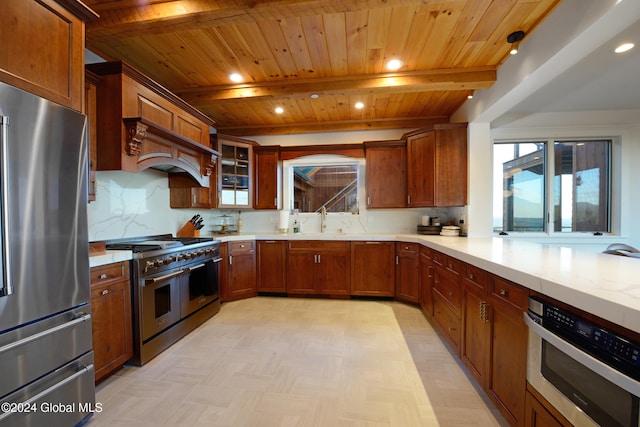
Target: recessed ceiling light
[(470, 96), (279, 110), (394, 64), (314, 96), (235, 77), (359, 105), (625, 47)]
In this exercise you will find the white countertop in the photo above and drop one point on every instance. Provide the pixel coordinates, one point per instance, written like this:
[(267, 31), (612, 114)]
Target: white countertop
[(109, 257), (605, 285)]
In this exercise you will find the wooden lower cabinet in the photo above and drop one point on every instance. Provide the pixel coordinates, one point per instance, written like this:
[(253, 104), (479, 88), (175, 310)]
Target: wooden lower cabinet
[(508, 354), (408, 272), (319, 267), (239, 269), (476, 337), (373, 269), (447, 298), (426, 281), (111, 317), (539, 413), (272, 266)]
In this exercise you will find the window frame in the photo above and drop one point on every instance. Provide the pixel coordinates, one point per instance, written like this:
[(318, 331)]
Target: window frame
[(614, 202), (320, 160)]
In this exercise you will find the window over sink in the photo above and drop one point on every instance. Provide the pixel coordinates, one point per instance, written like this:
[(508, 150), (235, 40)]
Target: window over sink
[(314, 182)]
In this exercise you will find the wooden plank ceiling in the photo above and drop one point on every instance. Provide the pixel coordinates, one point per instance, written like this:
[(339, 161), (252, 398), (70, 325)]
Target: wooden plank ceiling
[(287, 50)]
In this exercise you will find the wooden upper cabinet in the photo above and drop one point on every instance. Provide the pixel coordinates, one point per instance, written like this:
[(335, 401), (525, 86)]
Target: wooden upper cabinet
[(386, 176), (90, 105), (141, 124), (266, 161), (235, 174), (43, 48), (437, 165)]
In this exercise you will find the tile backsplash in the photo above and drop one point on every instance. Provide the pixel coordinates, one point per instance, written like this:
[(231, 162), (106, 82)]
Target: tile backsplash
[(132, 205)]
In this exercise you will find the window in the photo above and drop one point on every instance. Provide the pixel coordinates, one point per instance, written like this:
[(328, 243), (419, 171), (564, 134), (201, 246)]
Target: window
[(560, 190), (315, 182)]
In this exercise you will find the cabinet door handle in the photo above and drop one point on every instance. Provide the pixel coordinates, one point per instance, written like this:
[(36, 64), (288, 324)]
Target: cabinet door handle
[(194, 199), (275, 202), (105, 292), (408, 200), (482, 312), (368, 200), (318, 259), (230, 259), (397, 260)]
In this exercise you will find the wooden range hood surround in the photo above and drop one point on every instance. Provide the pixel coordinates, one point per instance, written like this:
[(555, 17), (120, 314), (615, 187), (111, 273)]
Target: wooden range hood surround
[(141, 125)]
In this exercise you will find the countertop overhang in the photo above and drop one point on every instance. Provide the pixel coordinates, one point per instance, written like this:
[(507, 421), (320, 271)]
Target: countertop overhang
[(605, 285)]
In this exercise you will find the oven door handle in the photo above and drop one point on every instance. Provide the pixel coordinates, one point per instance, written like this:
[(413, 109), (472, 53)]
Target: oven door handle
[(153, 280), (616, 377)]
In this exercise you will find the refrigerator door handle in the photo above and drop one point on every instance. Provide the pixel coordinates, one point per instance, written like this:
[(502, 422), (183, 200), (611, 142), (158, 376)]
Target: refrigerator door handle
[(80, 317), (82, 369), (6, 287)]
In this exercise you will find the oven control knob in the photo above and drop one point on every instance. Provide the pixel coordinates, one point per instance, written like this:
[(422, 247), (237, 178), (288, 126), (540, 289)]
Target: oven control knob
[(200, 252), (188, 255), (160, 261), (171, 259), (181, 257), (150, 265)]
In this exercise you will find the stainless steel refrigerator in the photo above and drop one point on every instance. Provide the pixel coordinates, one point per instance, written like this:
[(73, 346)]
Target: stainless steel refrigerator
[(46, 357)]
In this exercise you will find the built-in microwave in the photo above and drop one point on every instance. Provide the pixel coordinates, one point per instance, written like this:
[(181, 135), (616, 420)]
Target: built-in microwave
[(587, 372)]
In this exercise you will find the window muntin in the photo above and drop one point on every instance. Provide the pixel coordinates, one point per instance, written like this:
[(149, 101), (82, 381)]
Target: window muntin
[(580, 171)]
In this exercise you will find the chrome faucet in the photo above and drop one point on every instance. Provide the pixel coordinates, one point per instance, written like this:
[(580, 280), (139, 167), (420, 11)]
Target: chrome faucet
[(323, 219)]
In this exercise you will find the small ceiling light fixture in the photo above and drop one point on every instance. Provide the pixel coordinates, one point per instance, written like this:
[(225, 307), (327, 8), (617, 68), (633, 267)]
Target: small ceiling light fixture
[(279, 110), (515, 38), (314, 96), (359, 105), (394, 64), (470, 96), (235, 77), (625, 47)]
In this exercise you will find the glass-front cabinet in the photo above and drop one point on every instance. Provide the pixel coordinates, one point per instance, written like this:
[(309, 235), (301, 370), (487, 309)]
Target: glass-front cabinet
[(236, 169)]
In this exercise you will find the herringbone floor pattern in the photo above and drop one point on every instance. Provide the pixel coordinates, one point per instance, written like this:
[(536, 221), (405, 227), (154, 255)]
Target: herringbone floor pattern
[(300, 362)]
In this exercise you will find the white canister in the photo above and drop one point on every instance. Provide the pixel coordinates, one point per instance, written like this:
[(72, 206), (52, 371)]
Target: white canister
[(424, 220)]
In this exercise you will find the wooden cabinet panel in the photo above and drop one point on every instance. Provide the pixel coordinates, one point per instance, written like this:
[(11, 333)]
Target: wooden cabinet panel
[(448, 321), (540, 413), (111, 317), (373, 269), (319, 267), (408, 272), (186, 192), (476, 336), (386, 177), (426, 280), (451, 166), (437, 165), (508, 360), (90, 109), (271, 266), (266, 160), (447, 284), (421, 153), (514, 295), (241, 268), (43, 49)]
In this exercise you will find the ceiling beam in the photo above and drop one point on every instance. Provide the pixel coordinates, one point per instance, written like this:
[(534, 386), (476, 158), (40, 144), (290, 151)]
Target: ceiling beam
[(333, 126), (126, 17), (412, 81)]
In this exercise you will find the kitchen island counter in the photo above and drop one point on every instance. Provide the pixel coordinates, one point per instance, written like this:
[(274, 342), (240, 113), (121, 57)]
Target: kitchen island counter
[(606, 285)]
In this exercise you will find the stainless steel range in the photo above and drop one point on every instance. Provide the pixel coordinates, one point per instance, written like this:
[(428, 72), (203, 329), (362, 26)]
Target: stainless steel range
[(175, 288)]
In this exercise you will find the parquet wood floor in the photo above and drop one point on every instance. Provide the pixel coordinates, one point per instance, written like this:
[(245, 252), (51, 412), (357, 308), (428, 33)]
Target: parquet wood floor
[(283, 362)]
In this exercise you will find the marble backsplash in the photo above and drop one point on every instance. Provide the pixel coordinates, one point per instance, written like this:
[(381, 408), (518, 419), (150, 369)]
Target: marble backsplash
[(132, 205)]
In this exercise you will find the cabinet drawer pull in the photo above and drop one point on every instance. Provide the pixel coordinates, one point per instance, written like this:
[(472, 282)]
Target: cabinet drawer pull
[(471, 276), (105, 292), (504, 292), (242, 246), (103, 276)]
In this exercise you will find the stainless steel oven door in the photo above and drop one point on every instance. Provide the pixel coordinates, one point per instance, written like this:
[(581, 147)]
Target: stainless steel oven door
[(160, 302), (583, 389), (199, 286)]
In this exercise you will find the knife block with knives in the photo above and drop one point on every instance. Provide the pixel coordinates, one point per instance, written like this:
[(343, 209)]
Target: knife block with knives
[(192, 227)]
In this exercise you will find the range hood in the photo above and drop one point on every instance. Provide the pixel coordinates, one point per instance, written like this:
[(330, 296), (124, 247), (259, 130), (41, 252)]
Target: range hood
[(141, 124)]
